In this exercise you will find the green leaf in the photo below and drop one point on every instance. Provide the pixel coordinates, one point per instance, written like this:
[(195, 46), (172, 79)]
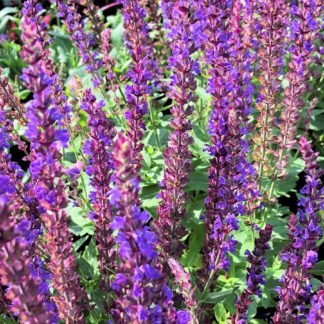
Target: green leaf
[(218, 296), (116, 36), (220, 313), (203, 94), (77, 244), (315, 284), (192, 258), (289, 183), (317, 122), (244, 236), (318, 269), (80, 223), (147, 159), (5, 17), (69, 157), (7, 10), (88, 262), (195, 209), (198, 180), (85, 269), (279, 224), (252, 309), (4, 320), (257, 321), (23, 94), (97, 301), (285, 83)]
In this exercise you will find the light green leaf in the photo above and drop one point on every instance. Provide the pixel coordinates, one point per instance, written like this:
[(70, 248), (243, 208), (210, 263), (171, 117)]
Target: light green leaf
[(220, 313), (80, 223)]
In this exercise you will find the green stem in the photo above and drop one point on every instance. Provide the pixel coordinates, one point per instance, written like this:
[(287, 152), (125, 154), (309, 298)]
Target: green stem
[(252, 221), (153, 125), (83, 157), (210, 279), (104, 94)]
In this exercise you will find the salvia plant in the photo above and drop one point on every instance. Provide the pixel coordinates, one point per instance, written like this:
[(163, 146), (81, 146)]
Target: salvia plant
[(161, 161)]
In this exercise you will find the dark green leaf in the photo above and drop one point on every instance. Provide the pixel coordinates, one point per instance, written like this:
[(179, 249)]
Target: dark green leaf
[(198, 180), (219, 296), (289, 183), (77, 244), (318, 269), (192, 258)]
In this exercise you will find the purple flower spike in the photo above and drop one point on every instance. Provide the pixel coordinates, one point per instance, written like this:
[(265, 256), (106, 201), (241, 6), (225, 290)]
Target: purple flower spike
[(99, 148), (255, 276), (303, 34), (142, 70), (301, 253), (177, 157), (46, 171), (231, 188), (270, 29), (142, 293), (157, 32)]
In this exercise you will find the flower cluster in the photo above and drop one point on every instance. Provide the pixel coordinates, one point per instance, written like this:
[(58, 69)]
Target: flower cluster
[(316, 312), (95, 22), (18, 273), (142, 293), (255, 276), (177, 157), (99, 148), (182, 279), (7, 98), (46, 171), (58, 99), (156, 32), (108, 61), (301, 254), (27, 288), (11, 109)]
